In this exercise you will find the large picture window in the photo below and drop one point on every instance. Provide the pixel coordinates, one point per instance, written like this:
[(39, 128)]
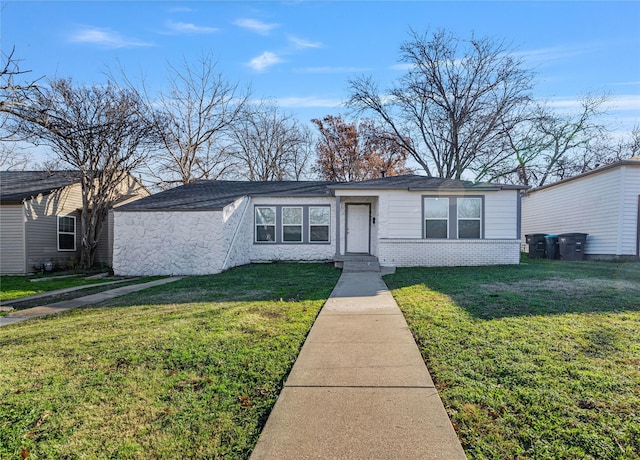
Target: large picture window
[(292, 224), (436, 217), (319, 221), (469, 217), (67, 233), (266, 224)]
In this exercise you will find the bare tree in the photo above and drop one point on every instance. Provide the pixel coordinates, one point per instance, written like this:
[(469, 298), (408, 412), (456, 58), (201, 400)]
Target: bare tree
[(12, 94), (551, 146), (11, 156), (194, 119), (270, 145), (100, 131), (355, 152), (455, 103)]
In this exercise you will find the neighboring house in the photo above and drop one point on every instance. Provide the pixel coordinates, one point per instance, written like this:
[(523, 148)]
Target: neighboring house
[(602, 203), (40, 220), (209, 226)]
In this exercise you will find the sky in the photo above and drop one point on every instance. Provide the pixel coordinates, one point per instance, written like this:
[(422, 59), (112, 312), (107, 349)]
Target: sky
[(302, 54)]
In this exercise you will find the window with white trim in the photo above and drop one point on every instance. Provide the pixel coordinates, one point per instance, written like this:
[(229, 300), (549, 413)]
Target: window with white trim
[(266, 224), (436, 217), (291, 224), (319, 221), (469, 217), (66, 233)]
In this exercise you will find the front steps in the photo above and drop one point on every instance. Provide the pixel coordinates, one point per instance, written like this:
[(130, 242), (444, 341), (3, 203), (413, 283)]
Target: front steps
[(357, 263)]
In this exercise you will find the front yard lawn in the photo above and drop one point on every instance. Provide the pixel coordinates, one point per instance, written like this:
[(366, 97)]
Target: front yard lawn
[(540, 360), (186, 370)]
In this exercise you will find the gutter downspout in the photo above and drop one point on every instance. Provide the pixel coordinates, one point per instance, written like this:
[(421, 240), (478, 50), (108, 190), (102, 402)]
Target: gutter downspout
[(235, 233)]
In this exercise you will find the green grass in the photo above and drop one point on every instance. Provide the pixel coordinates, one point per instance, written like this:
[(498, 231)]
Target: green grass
[(540, 360), (186, 370), (14, 287)]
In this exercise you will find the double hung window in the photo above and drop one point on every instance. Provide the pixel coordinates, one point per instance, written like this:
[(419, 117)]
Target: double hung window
[(319, 220), (292, 224), (66, 233), (266, 224), (469, 217), (436, 217)]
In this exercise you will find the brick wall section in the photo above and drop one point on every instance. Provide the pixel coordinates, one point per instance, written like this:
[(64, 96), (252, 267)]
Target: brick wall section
[(447, 253)]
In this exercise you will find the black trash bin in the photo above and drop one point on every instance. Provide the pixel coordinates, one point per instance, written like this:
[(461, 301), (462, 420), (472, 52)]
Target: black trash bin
[(571, 245), (536, 244), (551, 246)]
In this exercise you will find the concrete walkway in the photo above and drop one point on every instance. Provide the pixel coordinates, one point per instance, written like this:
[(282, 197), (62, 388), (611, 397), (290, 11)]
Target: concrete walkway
[(359, 388), (35, 312), (56, 292)]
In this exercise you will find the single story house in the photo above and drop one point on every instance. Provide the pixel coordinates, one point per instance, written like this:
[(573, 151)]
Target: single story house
[(39, 220), (603, 203), (209, 226)]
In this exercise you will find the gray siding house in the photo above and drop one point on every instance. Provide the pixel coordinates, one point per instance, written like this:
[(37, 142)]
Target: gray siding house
[(603, 203), (209, 226), (39, 220)]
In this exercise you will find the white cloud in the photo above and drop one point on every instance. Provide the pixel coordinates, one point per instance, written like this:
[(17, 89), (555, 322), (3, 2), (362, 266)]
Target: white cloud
[(301, 43), (264, 61), (256, 26), (543, 55), (187, 28), (106, 38), (626, 102), (309, 102), (619, 102)]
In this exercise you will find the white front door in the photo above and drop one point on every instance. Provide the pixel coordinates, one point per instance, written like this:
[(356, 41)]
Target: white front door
[(358, 228)]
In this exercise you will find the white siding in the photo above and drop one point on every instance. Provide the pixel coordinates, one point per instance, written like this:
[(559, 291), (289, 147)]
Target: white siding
[(604, 205), (501, 215), (629, 202), (401, 215), (12, 258)]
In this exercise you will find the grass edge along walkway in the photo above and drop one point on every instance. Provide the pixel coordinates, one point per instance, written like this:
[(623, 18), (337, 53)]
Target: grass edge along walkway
[(64, 305)]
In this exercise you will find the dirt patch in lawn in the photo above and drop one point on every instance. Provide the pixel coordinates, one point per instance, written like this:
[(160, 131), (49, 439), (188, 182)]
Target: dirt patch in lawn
[(564, 286)]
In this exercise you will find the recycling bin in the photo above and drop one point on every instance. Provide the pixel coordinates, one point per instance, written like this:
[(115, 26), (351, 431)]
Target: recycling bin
[(572, 245), (536, 244), (551, 246)]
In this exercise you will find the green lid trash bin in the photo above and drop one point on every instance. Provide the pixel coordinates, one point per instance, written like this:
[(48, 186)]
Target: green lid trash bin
[(551, 246)]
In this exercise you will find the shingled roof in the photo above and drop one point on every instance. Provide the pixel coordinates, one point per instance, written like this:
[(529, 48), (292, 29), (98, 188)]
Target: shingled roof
[(421, 183), (17, 186), (215, 195)]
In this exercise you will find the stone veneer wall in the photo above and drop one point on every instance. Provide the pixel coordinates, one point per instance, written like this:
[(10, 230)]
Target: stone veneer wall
[(238, 233), (168, 243), (447, 253)]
